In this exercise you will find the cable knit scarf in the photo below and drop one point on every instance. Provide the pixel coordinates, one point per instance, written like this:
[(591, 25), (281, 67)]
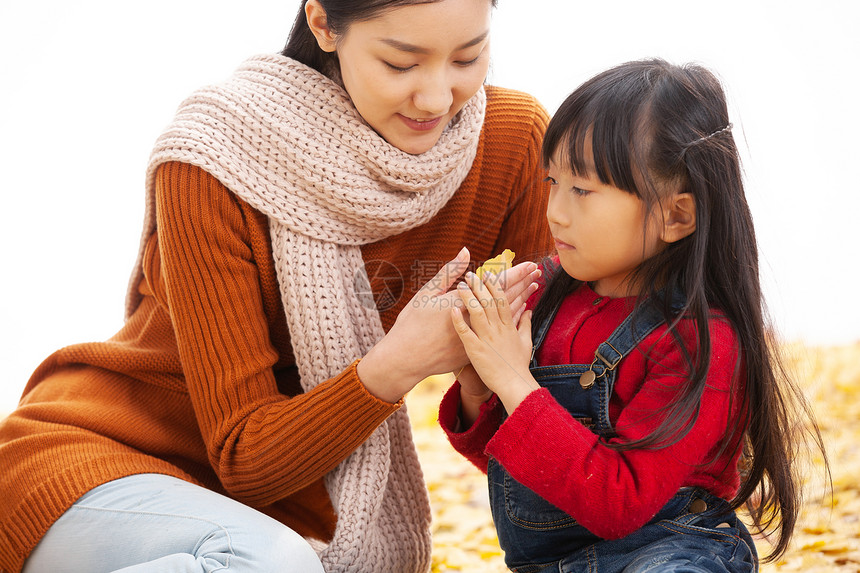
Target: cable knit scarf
[(289, 141)]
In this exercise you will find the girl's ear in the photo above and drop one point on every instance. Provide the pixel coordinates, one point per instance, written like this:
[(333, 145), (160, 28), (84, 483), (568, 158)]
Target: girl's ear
[(318, 23), (679, 217)]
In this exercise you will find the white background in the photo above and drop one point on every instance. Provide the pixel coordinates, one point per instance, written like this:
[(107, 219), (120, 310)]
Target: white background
[(86, 87)]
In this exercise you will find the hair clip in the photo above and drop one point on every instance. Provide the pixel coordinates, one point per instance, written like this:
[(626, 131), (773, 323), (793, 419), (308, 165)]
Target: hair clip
[(726, 129)]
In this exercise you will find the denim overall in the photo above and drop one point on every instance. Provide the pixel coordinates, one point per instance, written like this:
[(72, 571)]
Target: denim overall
[(537, 537)]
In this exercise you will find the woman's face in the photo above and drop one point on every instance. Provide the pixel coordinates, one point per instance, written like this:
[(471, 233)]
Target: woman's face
[(412, 69)]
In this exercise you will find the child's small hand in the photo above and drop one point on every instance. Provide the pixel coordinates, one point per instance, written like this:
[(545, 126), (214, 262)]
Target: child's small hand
[(498, 348), (473, 393)]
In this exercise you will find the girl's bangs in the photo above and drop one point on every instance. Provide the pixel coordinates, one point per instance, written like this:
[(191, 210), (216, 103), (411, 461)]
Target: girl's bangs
[(595, 131)]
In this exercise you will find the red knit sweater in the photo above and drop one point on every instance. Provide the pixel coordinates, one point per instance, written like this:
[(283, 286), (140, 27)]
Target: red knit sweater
[(611, 493)]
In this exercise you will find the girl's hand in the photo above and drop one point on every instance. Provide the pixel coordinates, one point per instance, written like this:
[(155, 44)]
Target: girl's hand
[(519, 283), (422, 341), (473, 393), (498, 347)]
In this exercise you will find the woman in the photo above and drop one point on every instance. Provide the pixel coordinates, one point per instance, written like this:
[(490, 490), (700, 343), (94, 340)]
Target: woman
[(249, 415)]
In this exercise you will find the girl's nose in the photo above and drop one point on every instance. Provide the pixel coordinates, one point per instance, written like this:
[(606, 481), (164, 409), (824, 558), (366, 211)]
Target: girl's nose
[(555, 211)]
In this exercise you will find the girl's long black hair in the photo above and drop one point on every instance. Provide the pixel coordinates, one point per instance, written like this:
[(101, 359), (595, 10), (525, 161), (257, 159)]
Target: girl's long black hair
[(654, 126)]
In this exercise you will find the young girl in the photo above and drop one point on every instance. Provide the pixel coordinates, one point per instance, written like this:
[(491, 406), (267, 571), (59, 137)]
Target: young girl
[(623, 423)]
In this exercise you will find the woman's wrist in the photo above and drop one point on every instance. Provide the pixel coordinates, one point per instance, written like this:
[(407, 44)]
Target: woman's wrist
[(384, 379)]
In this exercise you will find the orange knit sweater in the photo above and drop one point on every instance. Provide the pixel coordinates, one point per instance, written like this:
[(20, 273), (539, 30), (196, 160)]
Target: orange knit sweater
[(200, 382)]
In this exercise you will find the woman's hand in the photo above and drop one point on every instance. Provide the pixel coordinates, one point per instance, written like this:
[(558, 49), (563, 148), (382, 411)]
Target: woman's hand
[(422, 341), (498, 347)]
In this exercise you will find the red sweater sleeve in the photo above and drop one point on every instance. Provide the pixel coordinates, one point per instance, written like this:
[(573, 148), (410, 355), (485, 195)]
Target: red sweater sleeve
[(470, 443), (542, 446)]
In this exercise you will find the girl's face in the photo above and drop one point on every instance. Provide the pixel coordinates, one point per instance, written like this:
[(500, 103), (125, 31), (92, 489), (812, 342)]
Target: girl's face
[(600, 231), (412, 69)]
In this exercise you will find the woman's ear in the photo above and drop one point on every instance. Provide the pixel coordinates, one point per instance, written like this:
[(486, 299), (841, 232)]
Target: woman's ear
[(679, 217), (318, 23)]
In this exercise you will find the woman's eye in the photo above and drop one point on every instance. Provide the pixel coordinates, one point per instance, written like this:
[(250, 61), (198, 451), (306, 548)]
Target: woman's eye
[(550, 180), (398, 68), (579, 191), (467, 63)]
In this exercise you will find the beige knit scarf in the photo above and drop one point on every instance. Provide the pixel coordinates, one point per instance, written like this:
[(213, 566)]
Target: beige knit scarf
[(289, 141)]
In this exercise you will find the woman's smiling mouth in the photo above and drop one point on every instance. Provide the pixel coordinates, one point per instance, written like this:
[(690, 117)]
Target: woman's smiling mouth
[(421, 124)]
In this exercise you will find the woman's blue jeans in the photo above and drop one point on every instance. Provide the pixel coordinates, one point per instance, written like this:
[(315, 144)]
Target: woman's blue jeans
[(160, 524)]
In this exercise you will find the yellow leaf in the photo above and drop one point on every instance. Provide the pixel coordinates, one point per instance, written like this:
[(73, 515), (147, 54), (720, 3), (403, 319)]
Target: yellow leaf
[(817, 529), (497, 264)]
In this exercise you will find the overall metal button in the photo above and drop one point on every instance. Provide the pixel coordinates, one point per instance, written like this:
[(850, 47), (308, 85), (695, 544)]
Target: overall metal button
[(587, 379), (698, 506)]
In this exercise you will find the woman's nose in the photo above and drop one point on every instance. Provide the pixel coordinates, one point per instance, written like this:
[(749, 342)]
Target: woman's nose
[(435, 95)]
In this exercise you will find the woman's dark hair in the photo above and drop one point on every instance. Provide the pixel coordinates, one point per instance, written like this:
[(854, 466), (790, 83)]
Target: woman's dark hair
[(302, 45), (656, 127)]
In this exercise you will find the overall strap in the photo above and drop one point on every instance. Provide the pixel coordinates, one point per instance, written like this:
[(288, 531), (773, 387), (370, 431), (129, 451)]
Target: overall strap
[(540, 333), (633, 330)]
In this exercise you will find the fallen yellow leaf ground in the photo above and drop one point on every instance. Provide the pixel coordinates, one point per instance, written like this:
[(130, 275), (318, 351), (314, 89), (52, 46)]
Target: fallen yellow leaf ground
[(827, 537)]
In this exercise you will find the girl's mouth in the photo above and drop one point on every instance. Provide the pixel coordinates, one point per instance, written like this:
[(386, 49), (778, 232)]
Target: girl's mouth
[(561, 245)]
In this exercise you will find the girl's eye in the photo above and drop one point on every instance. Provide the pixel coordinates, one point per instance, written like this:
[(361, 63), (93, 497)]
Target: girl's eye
[(580, 192), (550, 180), (398, 68)]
